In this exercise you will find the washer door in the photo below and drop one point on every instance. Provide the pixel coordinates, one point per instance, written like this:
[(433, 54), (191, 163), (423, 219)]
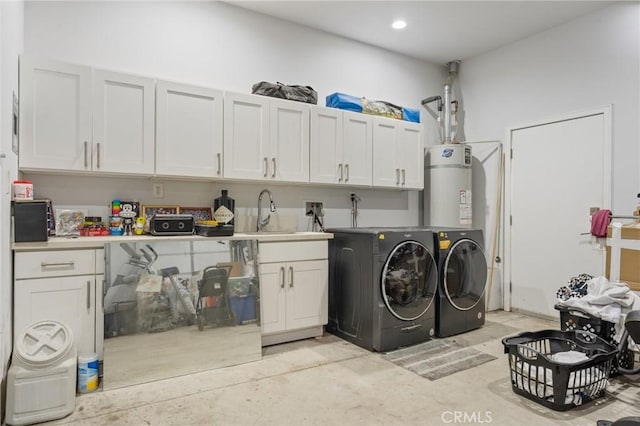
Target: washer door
[(409, 280), (465, 274)]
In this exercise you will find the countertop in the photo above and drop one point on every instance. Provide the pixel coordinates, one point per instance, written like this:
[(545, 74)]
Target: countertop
[(61, 243)]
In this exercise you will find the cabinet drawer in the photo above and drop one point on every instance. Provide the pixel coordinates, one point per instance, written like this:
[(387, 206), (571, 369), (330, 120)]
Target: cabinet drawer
[(54, 263), (291, 251)]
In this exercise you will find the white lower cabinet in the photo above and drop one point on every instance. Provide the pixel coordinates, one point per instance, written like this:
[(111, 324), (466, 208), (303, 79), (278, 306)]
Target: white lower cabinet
[(293, 290), (61, 286)]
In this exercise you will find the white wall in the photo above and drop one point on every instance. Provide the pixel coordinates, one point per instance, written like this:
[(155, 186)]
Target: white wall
[(222, 46), (587, 63), (11, 40)]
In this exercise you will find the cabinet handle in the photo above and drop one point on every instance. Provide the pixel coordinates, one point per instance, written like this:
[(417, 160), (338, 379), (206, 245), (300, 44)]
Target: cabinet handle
[(397, 176), (70, 264), (266, 166), (274, 167), (282, 279), (86, 161), (340, 167), (291, 276), (403, 177), (102, 296), (98, 156), (346, 167), (218, 163), (88, 294)]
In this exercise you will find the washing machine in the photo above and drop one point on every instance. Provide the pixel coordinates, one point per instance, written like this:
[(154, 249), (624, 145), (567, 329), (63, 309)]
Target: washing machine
[(382, 286), (462, 280)]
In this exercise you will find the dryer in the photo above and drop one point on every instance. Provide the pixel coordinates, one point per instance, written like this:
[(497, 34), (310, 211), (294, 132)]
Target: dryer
[(382, 286), (462, 272)]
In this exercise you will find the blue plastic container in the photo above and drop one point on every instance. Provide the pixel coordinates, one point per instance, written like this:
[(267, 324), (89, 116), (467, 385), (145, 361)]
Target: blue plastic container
[(244, 308)]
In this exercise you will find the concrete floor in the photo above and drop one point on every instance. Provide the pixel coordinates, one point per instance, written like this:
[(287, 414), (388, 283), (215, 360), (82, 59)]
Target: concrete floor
[(327, 381)]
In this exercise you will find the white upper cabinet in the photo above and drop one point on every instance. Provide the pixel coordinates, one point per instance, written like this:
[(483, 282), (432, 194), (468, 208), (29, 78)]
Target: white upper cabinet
[(123, 123), (326, 146), (398, 158), (55, 115), (358, 148), (412, 155), (188, 130), (340, 147), (265, 138), (288, 141), (79, 119), (246, 136), (76, 119)]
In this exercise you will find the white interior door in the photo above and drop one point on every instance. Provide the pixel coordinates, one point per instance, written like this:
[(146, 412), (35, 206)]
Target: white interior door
[(558, 171)]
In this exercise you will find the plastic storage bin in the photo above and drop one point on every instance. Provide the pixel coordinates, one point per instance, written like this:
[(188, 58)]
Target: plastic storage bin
[(243, 308), (577, 319), (554, 384), (41, 383), (242, 299)]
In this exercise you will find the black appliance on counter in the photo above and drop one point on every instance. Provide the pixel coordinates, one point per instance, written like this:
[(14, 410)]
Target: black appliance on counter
[(31, 220)]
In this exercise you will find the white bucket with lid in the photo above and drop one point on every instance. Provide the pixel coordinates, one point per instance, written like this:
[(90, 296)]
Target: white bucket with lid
[(41, 383)]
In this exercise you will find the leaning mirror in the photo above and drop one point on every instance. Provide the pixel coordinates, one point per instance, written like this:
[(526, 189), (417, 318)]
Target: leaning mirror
[(178, 307)]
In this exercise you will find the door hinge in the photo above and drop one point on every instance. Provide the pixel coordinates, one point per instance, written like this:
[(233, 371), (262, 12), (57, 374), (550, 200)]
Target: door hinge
[(511, 153), (510, 220)]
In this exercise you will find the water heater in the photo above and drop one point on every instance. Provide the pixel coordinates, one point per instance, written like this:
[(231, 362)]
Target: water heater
[(448, 186)]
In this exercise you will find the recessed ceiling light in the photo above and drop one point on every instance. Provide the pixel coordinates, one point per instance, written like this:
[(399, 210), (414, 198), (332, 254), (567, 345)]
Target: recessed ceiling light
[(398, 24)]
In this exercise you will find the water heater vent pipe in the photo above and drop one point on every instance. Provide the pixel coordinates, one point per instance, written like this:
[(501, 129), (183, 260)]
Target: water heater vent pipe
[(444, 105), (453, 73)]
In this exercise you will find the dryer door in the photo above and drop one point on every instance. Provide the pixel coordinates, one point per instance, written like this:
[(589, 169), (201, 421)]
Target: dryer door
[(409, 280), (465, 274)]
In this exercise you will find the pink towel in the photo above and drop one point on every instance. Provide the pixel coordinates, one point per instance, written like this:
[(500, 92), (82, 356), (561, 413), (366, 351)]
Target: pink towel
[(599, 222)]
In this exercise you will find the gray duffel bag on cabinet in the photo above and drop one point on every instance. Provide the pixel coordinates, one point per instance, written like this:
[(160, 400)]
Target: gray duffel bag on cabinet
[(284, 91)]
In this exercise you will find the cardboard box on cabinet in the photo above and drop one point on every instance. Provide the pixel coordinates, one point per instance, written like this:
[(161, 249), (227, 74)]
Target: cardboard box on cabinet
[(628, 245)]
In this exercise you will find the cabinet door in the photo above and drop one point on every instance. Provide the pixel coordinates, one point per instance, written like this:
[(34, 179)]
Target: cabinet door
[(70, 300), (411, 155), (99, 304), (307, 287), (288, 141), (387, 170), (123, 123), (55, 115), (246, 136), (358, 148), (272, 297), (326, 143), (188, 130)]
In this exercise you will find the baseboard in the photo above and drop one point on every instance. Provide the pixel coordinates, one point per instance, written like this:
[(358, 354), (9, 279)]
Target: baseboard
[(289, 336), (537, 315)]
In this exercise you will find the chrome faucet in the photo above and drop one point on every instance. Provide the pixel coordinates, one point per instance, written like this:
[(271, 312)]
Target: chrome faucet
[(272, 208)]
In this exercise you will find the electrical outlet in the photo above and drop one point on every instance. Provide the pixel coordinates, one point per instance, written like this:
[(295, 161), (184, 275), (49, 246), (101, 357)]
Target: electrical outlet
[(158, 190)]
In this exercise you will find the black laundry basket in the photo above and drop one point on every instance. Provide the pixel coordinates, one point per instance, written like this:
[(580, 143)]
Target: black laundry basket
[(572, 318), (555, 385)]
